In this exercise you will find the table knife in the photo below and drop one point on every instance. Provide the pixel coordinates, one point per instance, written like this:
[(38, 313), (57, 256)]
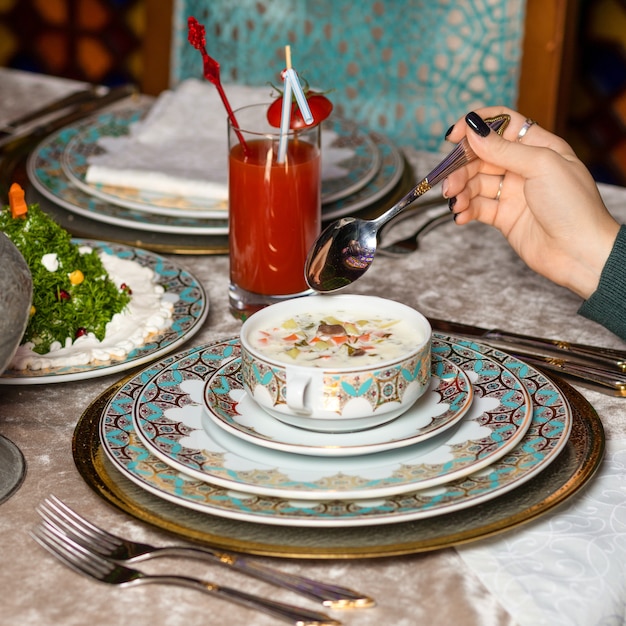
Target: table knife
[(17, 148), (599, 357), (12, 128), (602, 380)]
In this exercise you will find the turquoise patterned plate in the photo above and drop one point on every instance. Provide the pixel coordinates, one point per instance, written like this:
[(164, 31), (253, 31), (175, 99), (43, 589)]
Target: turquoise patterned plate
[(374, 169), (387, 177), (170, 419), (548, 433), (191, 307), (446, 401), (350, 160), (45, 172)]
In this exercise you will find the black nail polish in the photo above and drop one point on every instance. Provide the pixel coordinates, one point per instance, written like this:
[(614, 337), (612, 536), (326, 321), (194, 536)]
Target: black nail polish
[(451, 203), (449, 131), (454, 216), (477, 124)]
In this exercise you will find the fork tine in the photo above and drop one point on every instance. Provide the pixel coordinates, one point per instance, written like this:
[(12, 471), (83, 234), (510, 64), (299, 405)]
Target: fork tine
[(54, 509), (69, 552)]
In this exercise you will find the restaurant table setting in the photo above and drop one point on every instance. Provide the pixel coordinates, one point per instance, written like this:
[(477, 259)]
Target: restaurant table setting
[(496, 497)]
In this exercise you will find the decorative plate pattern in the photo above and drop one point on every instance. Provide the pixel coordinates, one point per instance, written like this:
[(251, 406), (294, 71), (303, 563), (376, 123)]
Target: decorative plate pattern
[(355, 152), (446, 401), (191, 307), (84, 144), (172, 423), (352, 157), (544, 440)]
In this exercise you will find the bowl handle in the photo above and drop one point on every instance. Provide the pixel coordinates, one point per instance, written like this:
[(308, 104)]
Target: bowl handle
[(296, 394)]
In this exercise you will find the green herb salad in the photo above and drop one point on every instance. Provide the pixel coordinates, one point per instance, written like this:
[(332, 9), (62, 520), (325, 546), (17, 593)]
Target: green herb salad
[(72, 293)]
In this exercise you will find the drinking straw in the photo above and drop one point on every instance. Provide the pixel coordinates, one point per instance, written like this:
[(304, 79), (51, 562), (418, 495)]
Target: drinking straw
[(211, 71), (303, 103), (285, 115), (291, 84)]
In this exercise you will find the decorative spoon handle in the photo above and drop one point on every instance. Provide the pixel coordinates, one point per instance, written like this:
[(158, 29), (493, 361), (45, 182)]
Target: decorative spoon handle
[(463, 153), (460, 155)]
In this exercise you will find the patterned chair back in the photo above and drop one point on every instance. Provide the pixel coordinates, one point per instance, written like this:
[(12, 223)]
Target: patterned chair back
[(406, 68)]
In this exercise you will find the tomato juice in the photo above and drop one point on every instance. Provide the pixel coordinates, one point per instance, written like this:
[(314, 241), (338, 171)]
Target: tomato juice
[(274, 215)]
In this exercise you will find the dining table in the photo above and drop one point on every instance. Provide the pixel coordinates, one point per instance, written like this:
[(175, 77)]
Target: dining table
[(564, 565)]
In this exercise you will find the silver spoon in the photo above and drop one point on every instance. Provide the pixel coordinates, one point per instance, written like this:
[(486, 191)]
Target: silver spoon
[(345, 249)]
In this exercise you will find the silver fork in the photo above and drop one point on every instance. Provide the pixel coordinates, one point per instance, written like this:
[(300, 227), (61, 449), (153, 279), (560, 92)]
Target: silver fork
[(93, 565), (113, 547), (411, 244)]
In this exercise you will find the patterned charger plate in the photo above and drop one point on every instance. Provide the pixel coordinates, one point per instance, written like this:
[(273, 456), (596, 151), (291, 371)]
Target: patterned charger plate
[(446, 401)]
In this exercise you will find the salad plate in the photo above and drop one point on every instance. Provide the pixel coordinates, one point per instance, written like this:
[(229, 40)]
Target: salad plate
[(190, 309), (170, 419), (446, 401), (351, 159), (545, 439)]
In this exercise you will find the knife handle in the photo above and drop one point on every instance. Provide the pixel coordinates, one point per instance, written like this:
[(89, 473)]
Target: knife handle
[(612, 383), (602, 356)]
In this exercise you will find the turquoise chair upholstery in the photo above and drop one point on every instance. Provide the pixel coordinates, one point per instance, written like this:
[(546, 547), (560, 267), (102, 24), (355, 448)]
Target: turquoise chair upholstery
[(405, 68)]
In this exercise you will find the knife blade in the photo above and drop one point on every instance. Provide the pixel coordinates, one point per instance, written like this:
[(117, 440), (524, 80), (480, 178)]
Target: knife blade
[(12, 128), (600, 357)]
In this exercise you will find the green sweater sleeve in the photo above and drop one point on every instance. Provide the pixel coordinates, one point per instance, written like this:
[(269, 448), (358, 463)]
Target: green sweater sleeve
[(607, 305)]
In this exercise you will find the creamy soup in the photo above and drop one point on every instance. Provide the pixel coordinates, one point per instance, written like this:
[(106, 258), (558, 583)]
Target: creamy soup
[(336, 340)]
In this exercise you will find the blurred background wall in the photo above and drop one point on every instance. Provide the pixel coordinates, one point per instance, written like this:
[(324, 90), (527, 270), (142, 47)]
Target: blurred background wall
[(105, 41)]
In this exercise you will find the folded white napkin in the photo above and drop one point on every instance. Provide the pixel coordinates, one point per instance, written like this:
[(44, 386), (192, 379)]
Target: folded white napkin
[(180, 147)]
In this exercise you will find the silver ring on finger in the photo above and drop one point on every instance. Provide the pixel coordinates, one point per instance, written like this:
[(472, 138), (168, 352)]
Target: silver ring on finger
[(497, 198), (524, 129)]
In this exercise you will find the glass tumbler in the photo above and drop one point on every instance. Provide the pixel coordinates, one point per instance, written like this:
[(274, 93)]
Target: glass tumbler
[(274, 210)]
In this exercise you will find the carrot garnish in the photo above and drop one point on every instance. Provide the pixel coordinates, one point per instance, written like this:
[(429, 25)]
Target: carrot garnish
[(17, 203)]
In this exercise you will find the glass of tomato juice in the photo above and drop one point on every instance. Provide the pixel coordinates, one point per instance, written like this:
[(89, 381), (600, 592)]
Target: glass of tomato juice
[(274, 210)]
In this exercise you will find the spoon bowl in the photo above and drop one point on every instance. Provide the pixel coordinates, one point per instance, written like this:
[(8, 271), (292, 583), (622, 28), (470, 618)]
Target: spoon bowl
[(346, 248)]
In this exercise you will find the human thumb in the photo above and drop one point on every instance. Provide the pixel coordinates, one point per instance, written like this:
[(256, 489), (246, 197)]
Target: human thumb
[(490, 147)]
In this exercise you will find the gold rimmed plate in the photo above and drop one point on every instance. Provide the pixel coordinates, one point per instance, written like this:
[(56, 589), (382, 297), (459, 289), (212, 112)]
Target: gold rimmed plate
[(169, 419), (574, 465), (573, 468)]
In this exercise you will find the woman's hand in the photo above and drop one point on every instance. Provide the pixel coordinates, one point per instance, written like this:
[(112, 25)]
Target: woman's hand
[(538, 194)]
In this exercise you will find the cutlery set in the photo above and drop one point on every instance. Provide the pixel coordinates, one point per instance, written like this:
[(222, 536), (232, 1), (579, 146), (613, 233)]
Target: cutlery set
[(15, 144), (19, 125), (91, 551)]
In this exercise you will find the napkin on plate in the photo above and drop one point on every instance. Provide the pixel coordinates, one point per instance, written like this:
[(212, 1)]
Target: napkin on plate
[(180, 147)]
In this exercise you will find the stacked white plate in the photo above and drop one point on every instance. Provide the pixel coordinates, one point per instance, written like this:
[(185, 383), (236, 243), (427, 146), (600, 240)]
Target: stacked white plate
[(185, 430), (370, 168)]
